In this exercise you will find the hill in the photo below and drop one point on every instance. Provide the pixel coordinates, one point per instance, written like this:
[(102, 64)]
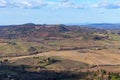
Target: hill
[(25, 39), (37, 31), (58, 52)]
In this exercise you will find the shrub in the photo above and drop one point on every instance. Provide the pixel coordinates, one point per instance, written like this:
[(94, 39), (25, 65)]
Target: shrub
[(32, 50)]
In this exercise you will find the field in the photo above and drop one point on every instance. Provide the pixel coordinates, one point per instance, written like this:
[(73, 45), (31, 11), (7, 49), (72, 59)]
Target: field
[(74, 61), (92, 58)]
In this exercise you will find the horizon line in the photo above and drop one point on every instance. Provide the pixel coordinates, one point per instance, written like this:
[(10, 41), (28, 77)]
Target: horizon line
[(84, 23)]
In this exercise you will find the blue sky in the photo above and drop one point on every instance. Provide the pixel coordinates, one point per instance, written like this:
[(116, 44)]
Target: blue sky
[(59, 11)]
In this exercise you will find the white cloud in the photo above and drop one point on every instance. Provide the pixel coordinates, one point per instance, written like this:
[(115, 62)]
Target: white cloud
[(106, 4), (22, 4), (67, 4), (38, 3), (27, 3), (3, 3)]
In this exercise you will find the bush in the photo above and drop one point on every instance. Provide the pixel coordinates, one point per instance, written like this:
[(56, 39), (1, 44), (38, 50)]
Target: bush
[(12, 43), (114, 76), (32, 50), (45, 61)]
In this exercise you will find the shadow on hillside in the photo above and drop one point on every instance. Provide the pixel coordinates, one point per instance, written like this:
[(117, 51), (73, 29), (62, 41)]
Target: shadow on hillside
[(8, 72)]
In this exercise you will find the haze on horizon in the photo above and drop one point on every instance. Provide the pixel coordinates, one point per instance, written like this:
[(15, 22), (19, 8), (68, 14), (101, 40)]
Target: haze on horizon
[(59, 11)]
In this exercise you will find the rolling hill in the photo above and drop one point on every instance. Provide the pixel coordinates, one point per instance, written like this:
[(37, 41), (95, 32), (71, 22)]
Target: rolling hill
[(33, 30), (59, 52)]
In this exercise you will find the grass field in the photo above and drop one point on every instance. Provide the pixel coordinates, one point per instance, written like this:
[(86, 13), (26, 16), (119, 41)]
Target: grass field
[(73, 59)]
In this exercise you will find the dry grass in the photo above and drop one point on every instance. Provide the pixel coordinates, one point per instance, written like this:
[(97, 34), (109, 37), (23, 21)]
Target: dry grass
[(102, 57)]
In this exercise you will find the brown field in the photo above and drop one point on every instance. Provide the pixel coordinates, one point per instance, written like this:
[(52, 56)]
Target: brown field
[(102, 59)]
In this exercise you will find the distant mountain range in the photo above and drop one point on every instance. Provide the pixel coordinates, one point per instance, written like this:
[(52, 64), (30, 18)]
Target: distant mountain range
[(104, 26), (111, 26)]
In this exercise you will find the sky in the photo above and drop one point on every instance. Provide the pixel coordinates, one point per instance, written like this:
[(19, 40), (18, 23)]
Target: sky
[(59, 11)]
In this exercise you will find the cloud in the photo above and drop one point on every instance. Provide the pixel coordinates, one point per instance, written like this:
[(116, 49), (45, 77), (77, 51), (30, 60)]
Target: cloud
[(22, 4), (68, 4), (3, 3), (36, 4), (27, 3), (106, 5), (113, 6)]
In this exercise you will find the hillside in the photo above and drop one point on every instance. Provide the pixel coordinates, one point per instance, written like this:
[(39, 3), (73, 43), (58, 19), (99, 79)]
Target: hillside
[(30, 38), (60, 52), (36, 31), (25, 39)]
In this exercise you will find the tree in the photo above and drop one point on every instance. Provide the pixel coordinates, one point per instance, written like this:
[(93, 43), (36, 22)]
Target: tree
[(32, 50)]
